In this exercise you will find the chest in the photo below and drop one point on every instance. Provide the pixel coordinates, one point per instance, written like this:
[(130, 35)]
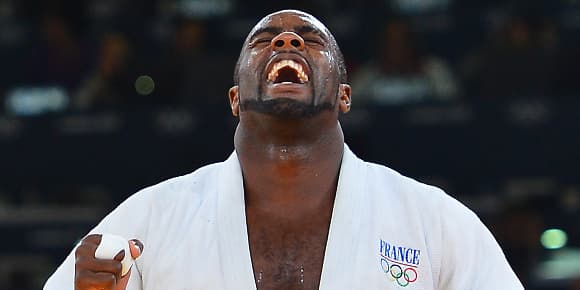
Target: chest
[(287, 256), (196, 254)]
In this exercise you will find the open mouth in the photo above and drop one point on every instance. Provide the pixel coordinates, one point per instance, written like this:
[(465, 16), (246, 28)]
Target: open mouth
[(287, 71)]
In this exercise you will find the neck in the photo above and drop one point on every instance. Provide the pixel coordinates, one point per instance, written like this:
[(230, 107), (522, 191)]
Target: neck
[(290, 167)]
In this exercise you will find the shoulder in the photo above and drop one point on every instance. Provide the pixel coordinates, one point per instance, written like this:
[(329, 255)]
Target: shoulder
[(454, 237), (195, 180), (391, 180), (154, 204), (427, 202), (384, 183), (192, 186)]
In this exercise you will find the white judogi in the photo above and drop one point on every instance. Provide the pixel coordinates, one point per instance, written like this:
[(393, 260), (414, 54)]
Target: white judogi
[(387, 232)]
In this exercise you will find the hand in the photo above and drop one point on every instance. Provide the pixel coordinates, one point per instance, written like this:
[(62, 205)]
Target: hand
[(101, 274)]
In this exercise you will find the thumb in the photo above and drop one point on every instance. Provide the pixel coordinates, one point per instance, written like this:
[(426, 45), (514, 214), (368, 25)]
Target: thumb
[(136, 248)]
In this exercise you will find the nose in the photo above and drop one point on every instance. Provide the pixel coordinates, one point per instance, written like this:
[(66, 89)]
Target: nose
[(287, 40)]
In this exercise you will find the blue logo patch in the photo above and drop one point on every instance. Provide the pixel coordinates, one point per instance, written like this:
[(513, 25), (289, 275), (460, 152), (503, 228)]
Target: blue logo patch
[(399, 263)]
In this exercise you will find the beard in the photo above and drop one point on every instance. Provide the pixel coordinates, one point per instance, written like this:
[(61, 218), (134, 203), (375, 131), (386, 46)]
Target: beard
[(285, 108)]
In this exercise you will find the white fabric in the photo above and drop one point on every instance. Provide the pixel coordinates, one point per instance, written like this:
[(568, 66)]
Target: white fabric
[(384, 226)]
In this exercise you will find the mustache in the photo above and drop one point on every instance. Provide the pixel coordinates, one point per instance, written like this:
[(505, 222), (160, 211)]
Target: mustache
[(285, 108)]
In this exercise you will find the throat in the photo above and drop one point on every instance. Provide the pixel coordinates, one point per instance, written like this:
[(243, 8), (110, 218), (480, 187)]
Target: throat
[(290, 180), (288, 153)]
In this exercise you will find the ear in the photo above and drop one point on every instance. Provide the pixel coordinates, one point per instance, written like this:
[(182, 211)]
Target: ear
[(344, 98), (234, 100)]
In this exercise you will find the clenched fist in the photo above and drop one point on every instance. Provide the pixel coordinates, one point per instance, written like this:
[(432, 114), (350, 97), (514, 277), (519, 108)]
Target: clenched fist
[(101, 274)]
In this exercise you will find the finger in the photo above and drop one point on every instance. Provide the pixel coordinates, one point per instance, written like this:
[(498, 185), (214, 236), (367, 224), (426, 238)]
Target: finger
[(88, 245), (90, 280), (120, 256), (136, 248), (94, 239), (92, 264), (102, 269), (122, 283)]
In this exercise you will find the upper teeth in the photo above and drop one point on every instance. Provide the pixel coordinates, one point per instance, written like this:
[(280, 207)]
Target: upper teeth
[(287, 63)]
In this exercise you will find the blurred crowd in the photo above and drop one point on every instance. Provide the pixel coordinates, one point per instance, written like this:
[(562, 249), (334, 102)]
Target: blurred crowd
[(128, 55), (398, 52)]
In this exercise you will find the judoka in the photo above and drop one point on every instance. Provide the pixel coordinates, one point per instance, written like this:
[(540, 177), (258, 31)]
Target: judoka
[(292, 207)]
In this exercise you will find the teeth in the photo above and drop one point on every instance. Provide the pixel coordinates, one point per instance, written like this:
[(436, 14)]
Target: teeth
[(287, 63)]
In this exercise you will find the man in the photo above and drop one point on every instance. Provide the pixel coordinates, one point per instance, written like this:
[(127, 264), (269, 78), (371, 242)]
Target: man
[(292, 207)]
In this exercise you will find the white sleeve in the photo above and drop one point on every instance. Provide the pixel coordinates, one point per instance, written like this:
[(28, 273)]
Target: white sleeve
[(128, 220), (471, 257)]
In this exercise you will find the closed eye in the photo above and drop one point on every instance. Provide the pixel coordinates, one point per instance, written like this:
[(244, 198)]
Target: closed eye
[(260, 41), (313, 41)]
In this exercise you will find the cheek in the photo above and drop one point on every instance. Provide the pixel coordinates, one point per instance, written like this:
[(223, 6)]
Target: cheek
[(248, 61), (245, 67), (326, 68), (326, 64), (328, 57), (253, 61), (249, 74)]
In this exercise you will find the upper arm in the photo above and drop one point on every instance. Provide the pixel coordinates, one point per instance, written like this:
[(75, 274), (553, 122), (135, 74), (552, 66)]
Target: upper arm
[(471, 257)]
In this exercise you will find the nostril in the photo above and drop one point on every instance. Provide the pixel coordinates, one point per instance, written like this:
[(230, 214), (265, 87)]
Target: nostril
[(295, 42), (279, 43)]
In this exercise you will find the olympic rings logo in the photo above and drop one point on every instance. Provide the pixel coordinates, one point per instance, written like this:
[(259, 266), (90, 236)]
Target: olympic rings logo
[(395, 272)]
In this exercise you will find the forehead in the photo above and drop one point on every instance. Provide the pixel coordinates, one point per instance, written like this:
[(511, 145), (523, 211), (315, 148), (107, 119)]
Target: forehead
[(288, 20)]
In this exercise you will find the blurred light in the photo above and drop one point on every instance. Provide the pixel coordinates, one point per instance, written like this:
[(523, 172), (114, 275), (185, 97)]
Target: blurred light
[(554, 239), (31, 100), (144, 85), (559, 265), (204, 8), (419, 6)]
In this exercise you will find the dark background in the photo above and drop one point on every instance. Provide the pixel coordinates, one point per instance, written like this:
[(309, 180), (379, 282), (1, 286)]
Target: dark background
[(480, 98)]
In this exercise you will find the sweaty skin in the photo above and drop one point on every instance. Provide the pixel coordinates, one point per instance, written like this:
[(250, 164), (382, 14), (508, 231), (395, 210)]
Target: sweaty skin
[(290, 159), (290, 146), (290, 87)]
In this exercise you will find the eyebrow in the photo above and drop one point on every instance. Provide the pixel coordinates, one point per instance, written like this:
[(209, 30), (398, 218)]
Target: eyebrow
[(309, 29), (268, 29), (299, 29)]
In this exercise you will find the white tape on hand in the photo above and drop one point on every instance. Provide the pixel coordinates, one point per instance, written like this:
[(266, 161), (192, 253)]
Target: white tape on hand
[(110, 246)]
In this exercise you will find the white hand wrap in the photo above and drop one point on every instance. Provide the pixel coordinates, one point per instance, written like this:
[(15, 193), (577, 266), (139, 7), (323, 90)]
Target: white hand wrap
[(110, 246)]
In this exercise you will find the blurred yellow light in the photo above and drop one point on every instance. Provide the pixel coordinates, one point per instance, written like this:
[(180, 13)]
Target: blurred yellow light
[(144, 85)]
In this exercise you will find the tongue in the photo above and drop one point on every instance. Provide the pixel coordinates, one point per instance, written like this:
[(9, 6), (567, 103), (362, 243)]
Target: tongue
[(287, 74)]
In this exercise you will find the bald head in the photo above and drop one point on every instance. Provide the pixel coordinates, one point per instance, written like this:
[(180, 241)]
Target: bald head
[(339, 58)]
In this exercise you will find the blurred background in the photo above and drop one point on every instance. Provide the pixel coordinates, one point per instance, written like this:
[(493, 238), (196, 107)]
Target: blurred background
[(100, 98)]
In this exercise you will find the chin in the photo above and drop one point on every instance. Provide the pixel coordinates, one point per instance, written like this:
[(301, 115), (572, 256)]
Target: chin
[(287, 108)]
